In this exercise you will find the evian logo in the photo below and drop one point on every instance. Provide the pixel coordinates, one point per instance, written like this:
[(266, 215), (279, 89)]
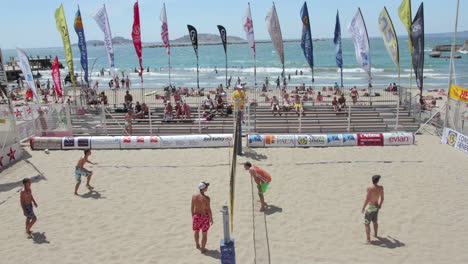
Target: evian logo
[(399, 139)]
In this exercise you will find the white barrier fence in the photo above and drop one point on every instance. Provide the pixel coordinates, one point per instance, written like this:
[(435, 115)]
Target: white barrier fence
[(455, 139), (330, 140), (10, 154), (132, 142)]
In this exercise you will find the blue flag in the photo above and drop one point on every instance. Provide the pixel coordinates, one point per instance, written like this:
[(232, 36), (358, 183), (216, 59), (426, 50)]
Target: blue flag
[(337, 41), (82, 44), (306, 43)]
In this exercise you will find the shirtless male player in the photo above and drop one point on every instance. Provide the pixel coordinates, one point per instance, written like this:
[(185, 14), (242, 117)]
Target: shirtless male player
[(201, 215), (81, 171), (27, 201), (374, 193)]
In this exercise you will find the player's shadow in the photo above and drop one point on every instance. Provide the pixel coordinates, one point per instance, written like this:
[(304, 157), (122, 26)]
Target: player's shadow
[(271, 209), (213, 253), (13, 185), (93, 194), (40, 238), (389, 242), (252, 154)]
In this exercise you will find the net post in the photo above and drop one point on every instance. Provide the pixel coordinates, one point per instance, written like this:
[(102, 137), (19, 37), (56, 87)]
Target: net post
[(227, 248)]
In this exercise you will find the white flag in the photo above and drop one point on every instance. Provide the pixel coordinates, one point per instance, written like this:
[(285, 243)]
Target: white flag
[(165, 30), (26, 69), (275, 32), (103, 22), (358, 31), (247, 22)]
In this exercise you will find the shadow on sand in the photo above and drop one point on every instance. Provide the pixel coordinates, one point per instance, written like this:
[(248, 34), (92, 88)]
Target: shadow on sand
[(271, 209), (213, 253), (40, 238), (387, 242), (93, 194), (252, 154)]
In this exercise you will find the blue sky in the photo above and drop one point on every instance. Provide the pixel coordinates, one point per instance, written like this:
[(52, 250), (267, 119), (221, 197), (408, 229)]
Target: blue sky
[(31, 23)]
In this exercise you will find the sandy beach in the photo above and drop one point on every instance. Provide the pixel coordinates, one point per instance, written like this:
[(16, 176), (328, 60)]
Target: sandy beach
[(140, 210)]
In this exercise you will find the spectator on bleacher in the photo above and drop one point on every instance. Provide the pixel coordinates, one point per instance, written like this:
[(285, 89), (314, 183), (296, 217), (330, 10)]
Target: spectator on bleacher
[(275, 106), (128, 100), (137, 107), (219, 104), (178, 110), (354, 95), (103, 98), (286, 104), (177, 97), (335, 104), (144, 111), (168, 112), (341, 103), (186, 109), (338, 92), (29, 95), (319, 98), (208, 103), (336, 87), (117, 82), (298, 106)]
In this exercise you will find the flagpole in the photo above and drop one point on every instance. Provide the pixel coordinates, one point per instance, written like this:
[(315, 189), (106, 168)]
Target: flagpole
[(452, 53), (399, 98), (341, 73), (169, 63), (198, 76)]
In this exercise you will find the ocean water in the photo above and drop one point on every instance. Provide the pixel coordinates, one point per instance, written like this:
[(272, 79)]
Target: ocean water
[(240, 64)]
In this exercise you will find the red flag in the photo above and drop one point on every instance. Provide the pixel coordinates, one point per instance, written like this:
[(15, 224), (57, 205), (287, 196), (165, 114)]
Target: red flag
[(56, 77), (136, 35)]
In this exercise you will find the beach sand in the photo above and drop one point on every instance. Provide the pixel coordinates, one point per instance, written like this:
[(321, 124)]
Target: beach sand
[(140, 213)]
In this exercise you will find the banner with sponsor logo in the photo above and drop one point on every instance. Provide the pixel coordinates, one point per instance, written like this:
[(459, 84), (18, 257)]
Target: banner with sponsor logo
[(397, 139), (56, 77), (247, 23), (62, 27), (337, 42), (389, 36), (306, 40), (51, 143), (417, 39), (79, 29), (358, 31), (274, 30), (165, 38), (105, 142), (136, 35), (26, 70), (370, 139), (140, 142), (76, 143), (455, 139), (103, 22), (280, 141), (459, 93)]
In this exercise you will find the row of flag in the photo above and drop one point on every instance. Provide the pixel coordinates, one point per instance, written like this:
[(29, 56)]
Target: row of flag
[(356, 28)]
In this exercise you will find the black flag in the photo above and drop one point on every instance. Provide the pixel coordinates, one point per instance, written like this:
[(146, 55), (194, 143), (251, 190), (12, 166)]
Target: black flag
[(222, 32), (194, 38), (417, 37)]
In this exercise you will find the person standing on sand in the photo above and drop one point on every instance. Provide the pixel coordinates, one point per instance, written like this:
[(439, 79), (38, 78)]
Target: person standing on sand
[(374, 194), (81, 171), (27, 201), (201, 215), (262, 179)]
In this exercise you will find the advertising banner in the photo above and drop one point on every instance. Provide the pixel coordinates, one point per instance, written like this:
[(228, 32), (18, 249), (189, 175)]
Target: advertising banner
[(459, 93), (217, 140), (311, 140), (105, 142), (397, 139), (280, 141), (370, 139), (76, 143), (455, 139), (41, 143), (256, 141), (350, 139), (140, 142)]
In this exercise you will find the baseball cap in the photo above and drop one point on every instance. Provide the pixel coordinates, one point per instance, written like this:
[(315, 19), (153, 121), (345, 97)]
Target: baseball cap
[(203, 185)]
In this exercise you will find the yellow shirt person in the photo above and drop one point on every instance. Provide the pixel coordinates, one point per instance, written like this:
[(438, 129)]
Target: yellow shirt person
[(239, 97)]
